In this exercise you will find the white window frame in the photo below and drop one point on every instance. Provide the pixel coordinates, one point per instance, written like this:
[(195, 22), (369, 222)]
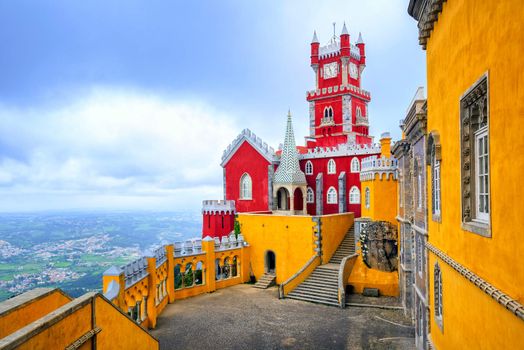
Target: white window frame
[(331, 166), (332, 195), (310, 195), (354, 195), (436, 187), (355, 165), (367, 198), (419, 189), (438, 297), (482, 175), (309, 168), (359, 112), (246, 193)]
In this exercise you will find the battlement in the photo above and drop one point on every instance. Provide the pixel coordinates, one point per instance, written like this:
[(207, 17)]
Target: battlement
[(340, 150), (374, 165), (218, 206), (332, 49), (339, 89), (247, 135)]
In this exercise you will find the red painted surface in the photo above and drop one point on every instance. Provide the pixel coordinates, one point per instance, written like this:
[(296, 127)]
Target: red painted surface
[(247, 160), (217, 224)]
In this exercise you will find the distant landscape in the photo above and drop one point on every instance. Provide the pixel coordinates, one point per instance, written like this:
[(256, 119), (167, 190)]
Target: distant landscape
[(72, 250)]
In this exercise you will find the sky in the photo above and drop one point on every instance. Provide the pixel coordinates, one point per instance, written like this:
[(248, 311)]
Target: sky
[(128, 105)]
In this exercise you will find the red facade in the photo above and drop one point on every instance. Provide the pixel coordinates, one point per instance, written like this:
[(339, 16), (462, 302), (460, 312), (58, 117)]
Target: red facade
[(247, 160)]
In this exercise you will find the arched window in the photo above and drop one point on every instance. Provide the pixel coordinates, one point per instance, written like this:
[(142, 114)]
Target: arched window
[(199, 276), (234, 267), (218, 270), (435, 179), (310, 195), (189, 278), (355, 165), (328, 112), (178, 277), (245, 186), (367, 198), (354, 195), (359, 112), (309, 168), (332, 196), (332, 167), (226, 271), (438, 291)]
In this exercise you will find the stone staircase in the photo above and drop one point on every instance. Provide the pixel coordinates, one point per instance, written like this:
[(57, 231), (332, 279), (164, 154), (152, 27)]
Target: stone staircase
[(346, 247), (321, 286), (267, 280)]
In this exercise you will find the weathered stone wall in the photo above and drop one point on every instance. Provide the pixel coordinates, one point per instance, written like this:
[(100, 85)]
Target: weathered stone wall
[(378, 241)]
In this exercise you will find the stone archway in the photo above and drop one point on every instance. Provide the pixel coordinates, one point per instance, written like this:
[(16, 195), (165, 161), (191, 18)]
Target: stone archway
[(298, 199), (270, 262), (283, 199)]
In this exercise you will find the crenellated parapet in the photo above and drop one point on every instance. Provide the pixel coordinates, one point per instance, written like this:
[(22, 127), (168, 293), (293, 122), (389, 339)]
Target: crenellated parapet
[(348, 149), (337, 90), (218, 206), (374, 165), (247, 135), (135, 271), (332, 49)]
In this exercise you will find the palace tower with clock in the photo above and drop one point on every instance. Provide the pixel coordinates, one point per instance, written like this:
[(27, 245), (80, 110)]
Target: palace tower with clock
[(322, 177)]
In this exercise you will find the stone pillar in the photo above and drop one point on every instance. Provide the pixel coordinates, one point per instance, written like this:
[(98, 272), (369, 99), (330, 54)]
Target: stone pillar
[(304, 201), (117, 275), (319, 198), (151, 293), (170, 251), (345, 61), (342, 208), (208, 246)]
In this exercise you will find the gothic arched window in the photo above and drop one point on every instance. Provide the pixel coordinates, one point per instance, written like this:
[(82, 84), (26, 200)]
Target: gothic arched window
[(332, 196), (332, 167), (367, 198), (354, 195), (309, 168), (310, 195), (438, 291), (245, 186), (355, 165)]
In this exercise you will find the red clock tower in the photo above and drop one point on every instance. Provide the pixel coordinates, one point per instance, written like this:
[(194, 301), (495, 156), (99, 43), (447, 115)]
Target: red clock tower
[(338, 105)]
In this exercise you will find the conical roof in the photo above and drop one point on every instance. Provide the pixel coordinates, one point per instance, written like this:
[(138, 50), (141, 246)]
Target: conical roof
[(315, 39), (288, 171)]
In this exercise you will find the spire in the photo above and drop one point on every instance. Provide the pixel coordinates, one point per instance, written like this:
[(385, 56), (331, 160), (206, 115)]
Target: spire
[(360, 41), (288, 171), (315, 39), (344, 30)]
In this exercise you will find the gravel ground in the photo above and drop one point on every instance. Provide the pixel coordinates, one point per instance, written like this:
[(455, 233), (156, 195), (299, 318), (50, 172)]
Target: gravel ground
[(243, 317)]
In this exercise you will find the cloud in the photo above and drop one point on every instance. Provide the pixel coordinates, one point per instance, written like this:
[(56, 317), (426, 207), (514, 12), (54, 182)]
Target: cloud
[(114, 142)]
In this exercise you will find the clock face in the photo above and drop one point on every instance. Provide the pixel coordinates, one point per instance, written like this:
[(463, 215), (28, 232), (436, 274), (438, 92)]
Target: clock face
[(353, 70), (330, 70)]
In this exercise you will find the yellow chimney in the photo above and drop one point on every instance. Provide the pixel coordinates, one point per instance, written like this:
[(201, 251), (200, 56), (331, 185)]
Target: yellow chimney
[(385, 145)]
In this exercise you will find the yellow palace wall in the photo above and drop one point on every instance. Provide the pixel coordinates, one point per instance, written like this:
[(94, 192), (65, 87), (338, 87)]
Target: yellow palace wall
[(469, 39), (383, 199), (291, 238)]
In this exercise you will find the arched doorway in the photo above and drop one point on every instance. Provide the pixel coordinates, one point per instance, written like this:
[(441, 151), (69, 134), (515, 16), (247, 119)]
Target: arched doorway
[(298, 199), (270, 262), (282, 199)]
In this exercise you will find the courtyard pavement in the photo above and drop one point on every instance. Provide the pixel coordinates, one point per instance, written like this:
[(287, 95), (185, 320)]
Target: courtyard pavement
[(243, 317)]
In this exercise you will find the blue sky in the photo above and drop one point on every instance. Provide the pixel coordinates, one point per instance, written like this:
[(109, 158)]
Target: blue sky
[(129, 104)]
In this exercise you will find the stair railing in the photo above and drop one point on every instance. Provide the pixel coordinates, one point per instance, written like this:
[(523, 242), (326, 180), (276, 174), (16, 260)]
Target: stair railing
[(299, 277), (346, 266)]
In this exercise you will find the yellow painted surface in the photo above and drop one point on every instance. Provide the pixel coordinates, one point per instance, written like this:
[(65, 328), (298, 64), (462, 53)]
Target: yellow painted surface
[(118, 332), (383, 199), (363, 277), (486, 36), (334, 229), (471, 318), (301, 277), (289, 237), (385, 147), (31, 311), (63, 333)]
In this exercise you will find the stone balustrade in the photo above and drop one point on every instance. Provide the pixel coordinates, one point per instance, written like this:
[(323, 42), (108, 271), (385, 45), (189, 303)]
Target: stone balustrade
[(374, 165), (348, 149), (339, 89)]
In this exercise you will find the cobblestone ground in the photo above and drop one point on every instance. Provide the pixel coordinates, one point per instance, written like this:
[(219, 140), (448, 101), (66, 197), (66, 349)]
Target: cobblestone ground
[(243, 317)]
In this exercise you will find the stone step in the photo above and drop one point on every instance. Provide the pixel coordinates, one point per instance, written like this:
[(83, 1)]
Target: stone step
[(329, 302), (313, 291), (322, 283), (316, 287)]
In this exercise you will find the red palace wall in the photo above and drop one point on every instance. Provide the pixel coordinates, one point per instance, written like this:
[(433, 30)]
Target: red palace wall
[(329, 180), (247, 160), (217, 224)]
